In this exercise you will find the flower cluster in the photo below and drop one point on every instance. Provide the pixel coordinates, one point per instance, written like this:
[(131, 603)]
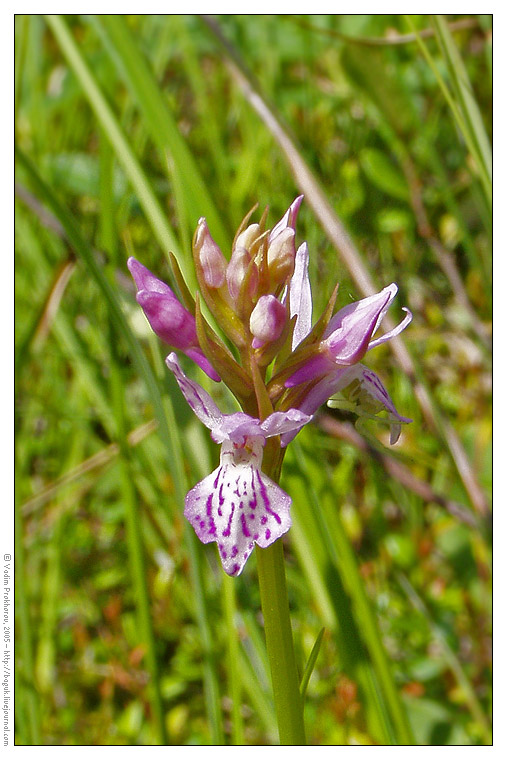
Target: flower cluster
[(261, 298)]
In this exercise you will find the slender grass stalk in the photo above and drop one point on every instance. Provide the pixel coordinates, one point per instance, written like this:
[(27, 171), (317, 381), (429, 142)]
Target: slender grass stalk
[(465, 111), (28, 694), (311, 663), (369, 627), (158, 119), (127, 489), (468, 105)]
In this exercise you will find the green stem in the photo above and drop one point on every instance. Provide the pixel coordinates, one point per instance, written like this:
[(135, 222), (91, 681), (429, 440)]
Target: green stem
[(278, 632), (235, 690)]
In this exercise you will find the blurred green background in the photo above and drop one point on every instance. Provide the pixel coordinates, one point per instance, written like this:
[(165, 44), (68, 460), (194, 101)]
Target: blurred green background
[(128, 129)]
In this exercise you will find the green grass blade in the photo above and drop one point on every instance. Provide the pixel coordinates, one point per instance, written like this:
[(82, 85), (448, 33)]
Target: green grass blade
[(466, 121), (465, 96), (136, 550), (310, 665), (105, 116), (159, 121)]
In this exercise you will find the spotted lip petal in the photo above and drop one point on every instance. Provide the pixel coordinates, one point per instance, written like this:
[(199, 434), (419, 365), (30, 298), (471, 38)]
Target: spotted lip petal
[(237, 506)]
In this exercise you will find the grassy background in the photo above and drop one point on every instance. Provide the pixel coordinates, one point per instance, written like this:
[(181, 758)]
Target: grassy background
[(128, 130)]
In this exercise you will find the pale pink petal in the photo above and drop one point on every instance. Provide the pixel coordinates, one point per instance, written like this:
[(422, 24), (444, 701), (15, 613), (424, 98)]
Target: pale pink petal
[(349, 332), (281, 422), (395, 331), (301, 296)]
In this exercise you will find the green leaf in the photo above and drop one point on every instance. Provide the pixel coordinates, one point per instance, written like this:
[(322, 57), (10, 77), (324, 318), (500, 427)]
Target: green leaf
[(382, 172), (310, 665)]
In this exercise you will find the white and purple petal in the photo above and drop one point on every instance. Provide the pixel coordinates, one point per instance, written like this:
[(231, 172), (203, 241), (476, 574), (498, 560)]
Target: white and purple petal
[(199, 401), (237, 506)]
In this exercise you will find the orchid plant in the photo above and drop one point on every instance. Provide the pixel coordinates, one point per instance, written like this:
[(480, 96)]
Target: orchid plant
[(281, 370)]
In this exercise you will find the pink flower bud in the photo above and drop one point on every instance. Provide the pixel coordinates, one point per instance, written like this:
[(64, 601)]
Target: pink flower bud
[(168, 318), (247, 237), (267, 320), (237, 271), (281, 256), (211, 258)]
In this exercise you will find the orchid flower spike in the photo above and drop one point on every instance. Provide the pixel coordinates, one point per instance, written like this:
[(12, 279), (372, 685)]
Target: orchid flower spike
[(237, 505), (168, 318)]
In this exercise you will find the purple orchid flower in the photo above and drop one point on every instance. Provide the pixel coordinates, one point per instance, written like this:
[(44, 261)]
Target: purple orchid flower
[(237, 505), (168, 318), (345, 341)]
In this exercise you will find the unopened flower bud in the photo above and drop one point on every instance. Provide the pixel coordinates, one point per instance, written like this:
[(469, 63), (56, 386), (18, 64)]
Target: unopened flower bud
[(267, 320), (288, 219), (238, 269), (281, 257), (168, 318), (247, 237), (211, 258)]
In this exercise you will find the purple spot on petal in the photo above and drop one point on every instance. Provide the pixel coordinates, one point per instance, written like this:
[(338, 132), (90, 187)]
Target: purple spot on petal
[(268, 534), (264, 520), (227, 531), (234, 551), (244, 526), (265, 499), (212, 527)]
